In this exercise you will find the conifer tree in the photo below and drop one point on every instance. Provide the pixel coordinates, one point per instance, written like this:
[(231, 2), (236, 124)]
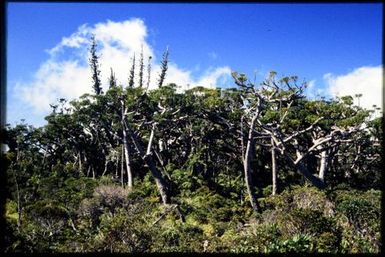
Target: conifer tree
[(112, 79), (132, 73), (95, 67), (163, 68), (148, 72), (141, 68)]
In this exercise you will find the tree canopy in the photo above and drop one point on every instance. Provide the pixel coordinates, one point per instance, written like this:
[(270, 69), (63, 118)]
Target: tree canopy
[(252, 168)]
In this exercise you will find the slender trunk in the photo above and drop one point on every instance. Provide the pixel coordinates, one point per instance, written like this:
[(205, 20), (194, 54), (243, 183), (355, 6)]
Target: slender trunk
[(117, 166), (88, 171), (128, 159), (323, 165), (105, 167), (80, 162), (126, 149), (149, 146), (242, 140), (129, 175), (302, 169), (162, 164), (273, 168), (247, 166), (160, 181), (93, 172), (122, 168)]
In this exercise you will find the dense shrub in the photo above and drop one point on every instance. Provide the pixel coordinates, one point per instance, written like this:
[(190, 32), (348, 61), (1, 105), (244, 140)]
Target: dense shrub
[(124, 231), (360, 214)]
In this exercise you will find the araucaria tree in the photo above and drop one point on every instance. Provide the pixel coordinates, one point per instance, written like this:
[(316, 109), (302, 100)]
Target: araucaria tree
[(141, 68), (95, 66), (164, 67), (132, 73)]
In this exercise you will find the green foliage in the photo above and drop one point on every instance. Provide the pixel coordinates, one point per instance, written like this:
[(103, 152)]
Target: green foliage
[(359, 212), (67, 180), (327, 242), (297, 244), (123, 231)]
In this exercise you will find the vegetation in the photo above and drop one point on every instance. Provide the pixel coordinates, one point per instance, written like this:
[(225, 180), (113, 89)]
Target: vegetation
[(256, 168)]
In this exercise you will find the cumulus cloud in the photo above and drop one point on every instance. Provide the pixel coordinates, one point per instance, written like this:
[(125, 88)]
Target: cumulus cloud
[(365, 80), (215, 78), (314, 92), (54, 80), (66, 74)]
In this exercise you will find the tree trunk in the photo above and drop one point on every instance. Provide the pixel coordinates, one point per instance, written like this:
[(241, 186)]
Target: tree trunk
[(122, 168), (242, 139), (128, 160), (126, 151), (273, 168), (116, 166), (80, 163), (302, 169), (323, 165), (88, 171), (247, 166), (105, 167), (160, 181)]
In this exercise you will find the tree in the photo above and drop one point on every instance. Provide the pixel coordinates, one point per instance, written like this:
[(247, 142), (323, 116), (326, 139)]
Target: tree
[(148, 72), (164, 66), (112, 79), (126, 145), (95, 66), (141, 68), (132, 74)]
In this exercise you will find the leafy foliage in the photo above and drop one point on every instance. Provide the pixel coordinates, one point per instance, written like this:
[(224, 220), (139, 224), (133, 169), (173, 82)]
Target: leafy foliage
[(206, 155)]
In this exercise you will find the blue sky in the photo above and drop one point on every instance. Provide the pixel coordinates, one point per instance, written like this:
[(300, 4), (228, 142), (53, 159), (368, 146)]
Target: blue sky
[(330, 45)]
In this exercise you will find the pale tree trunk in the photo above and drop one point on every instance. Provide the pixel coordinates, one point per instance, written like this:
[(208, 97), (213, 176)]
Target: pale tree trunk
[(126, 151), (88, 171), (80, 163), (323, 165), (122, 168), (128, 159), (117, 166), (160, 181), (302, 169), (247, 165), (273, 168), (105, 167), (130, 180), (242, 140)]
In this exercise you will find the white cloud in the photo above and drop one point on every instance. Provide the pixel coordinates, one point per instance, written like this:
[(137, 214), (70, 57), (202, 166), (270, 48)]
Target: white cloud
[(314, 92), (54, 80), (365, 80), (216, 78), (66, 73)]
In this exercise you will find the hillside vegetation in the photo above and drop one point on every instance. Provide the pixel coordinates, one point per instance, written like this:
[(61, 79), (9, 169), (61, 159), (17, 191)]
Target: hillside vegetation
[(253, 168)]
